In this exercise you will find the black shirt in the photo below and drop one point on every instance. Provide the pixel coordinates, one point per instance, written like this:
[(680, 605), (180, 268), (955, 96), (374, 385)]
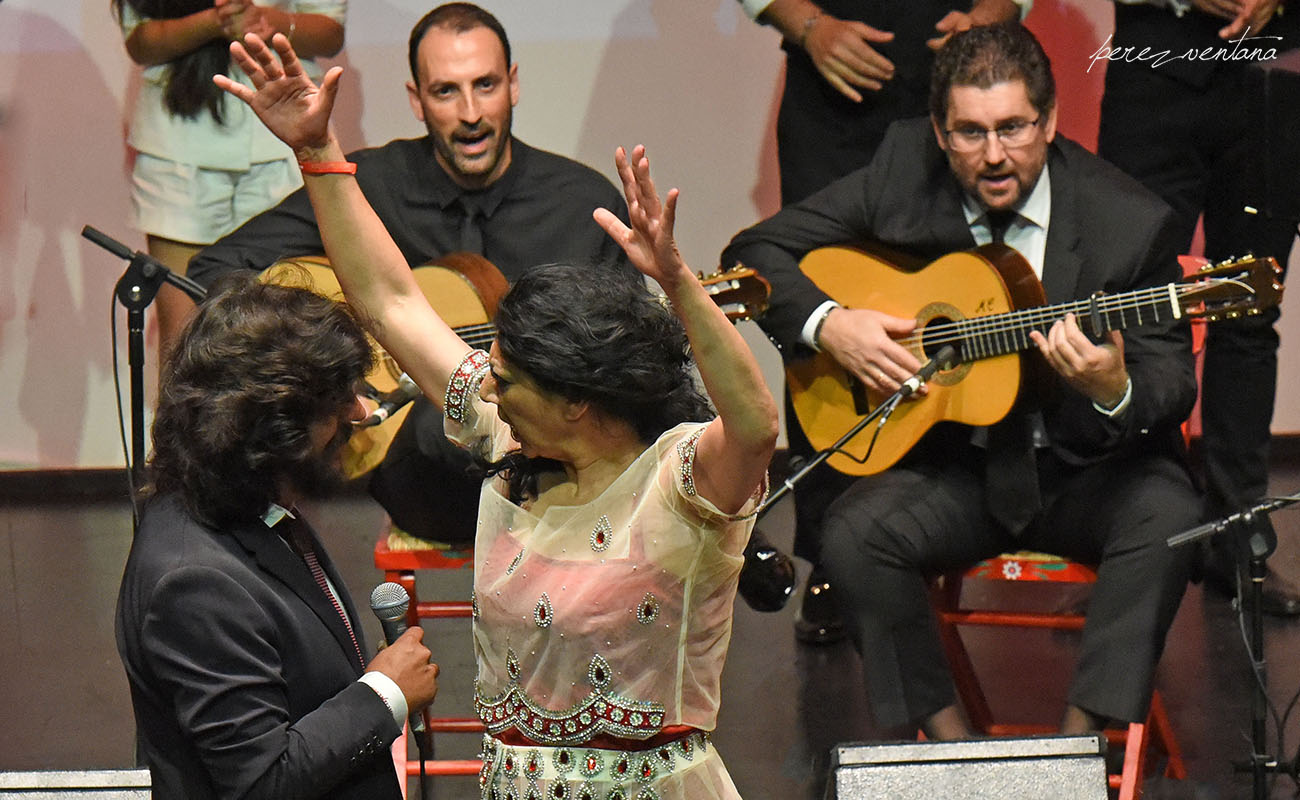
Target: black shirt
[(537, 212)]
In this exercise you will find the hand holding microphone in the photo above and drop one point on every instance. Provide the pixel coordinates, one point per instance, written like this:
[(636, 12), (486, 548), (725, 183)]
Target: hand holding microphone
[(406, 660)]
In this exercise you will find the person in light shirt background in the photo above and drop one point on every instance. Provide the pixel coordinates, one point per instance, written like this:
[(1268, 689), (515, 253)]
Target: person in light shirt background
[(204, 165)]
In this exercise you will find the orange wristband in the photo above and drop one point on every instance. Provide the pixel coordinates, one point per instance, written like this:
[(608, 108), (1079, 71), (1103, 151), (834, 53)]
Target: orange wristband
[(327, 167)]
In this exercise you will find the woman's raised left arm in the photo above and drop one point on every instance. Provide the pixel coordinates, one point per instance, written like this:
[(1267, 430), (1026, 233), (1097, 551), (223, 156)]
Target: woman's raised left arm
[(733, 453)]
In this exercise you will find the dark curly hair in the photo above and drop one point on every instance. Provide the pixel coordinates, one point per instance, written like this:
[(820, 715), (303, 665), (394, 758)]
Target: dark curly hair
[(987, 55), (607, 341), (189, 89), (255, 368)]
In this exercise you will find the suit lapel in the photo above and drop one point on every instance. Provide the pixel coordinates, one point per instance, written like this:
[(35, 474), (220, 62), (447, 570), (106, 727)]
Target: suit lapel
[(276, 557), (1062, 262), (948, 227)]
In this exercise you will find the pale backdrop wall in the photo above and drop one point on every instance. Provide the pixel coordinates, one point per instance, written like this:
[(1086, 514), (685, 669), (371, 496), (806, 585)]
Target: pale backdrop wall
[(692, 79)]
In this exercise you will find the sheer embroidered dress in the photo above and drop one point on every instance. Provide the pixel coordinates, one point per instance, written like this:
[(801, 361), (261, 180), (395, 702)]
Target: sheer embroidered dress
[(600, 630)]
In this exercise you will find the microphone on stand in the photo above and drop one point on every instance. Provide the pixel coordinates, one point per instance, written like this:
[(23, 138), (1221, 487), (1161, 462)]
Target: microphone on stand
[(405, 392), (1245, 517), (390, 602)]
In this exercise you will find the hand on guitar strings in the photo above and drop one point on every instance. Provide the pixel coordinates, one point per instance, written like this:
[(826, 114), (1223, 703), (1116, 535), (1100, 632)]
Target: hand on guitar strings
[(1096, 371), (863, 342)]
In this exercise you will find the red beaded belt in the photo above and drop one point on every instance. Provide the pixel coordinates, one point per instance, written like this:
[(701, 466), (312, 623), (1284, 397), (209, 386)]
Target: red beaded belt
[(605, 741)]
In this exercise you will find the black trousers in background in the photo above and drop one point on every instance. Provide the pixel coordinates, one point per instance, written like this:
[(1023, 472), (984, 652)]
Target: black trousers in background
[(427, 484), (1191, 145), (889, 533), (822, 135)]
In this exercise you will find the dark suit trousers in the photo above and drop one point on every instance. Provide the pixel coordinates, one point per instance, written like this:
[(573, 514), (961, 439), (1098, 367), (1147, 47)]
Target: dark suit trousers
[(890, 532), (1190, 145), (426, 483)]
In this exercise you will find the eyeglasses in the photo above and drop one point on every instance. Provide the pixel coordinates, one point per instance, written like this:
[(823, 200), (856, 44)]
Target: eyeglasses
[(973, 138)]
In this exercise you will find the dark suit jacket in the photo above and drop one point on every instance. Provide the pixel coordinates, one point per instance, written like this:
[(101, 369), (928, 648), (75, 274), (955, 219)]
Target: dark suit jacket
[(243, 677), (1107, 233)]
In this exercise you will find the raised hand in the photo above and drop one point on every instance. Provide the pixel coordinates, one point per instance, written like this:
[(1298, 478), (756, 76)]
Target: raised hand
[(649, 242), (287, 101)]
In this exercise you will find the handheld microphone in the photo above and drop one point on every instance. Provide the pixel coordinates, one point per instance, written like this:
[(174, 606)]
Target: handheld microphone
[(390, 602), (405, 392)]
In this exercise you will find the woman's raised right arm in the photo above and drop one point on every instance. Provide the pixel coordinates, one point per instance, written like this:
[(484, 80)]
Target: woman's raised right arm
[(371, 269)]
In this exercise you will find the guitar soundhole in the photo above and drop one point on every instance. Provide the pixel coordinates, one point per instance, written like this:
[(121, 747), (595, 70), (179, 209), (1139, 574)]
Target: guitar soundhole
[(939, 326), (935, 333)]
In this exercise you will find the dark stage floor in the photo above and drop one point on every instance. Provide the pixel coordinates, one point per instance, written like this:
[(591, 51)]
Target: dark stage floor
[(64, 704)]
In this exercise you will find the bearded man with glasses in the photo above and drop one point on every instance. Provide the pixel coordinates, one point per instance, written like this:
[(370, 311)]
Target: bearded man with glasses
[(1101, 477)]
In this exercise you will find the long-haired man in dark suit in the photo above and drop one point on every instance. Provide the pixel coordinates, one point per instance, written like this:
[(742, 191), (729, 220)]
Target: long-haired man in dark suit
[(243, 650)]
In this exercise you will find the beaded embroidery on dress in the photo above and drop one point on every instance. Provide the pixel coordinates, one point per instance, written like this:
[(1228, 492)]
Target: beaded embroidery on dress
[(607, 619)]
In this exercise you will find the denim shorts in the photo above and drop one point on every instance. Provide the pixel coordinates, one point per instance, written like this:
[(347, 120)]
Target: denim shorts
[(197, 205)]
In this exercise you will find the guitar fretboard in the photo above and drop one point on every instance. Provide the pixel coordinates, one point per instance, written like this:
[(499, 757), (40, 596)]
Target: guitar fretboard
[(477, 336), (1002, 334)]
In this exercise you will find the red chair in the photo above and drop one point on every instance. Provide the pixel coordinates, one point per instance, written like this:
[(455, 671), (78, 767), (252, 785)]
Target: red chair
[(400, 566), (1137, 740)]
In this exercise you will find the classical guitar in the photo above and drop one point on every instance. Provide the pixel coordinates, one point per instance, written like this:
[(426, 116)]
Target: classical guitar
[(984, 302), (465, 289)]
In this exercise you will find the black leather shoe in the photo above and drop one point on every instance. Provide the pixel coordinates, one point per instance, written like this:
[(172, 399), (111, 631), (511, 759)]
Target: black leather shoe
[(767, 579), (818, 620), (1219, 575)]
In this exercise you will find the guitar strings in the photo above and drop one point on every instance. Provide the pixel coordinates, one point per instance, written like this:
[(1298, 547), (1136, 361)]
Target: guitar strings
[(1041, 317)]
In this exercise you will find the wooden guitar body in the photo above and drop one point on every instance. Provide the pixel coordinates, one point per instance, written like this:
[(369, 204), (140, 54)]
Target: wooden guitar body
[(991, 302), (827, 402), (462, 287)]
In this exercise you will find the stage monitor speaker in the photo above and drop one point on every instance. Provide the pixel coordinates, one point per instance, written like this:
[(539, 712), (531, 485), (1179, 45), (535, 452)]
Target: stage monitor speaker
[(89, 784), (1272, 111), (1046, 767)]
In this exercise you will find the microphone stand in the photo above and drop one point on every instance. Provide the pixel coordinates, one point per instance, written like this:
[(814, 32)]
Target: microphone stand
[(944, 359), (1256, 538), (135, 290)]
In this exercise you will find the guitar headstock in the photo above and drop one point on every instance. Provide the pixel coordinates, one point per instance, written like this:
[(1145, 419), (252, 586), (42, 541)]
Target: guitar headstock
[(1232, 288), (740, 292)]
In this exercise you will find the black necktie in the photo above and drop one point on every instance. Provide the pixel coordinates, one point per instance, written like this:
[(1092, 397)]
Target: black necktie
[(299, 538), (471, 235), (1011, 472), (999, 222)]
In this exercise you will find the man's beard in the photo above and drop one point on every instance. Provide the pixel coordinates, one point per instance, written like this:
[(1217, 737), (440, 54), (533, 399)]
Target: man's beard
[(320, 475), (473, 171)]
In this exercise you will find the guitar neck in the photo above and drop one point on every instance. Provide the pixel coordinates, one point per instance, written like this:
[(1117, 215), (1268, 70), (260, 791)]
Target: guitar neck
[(478, 336), (1002, 334)]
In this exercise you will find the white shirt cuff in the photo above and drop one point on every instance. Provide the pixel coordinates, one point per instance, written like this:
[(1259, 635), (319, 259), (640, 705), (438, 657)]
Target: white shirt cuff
[(389, 692), (1025, 7), (755, 7), (809, 333), (1121, 405)]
